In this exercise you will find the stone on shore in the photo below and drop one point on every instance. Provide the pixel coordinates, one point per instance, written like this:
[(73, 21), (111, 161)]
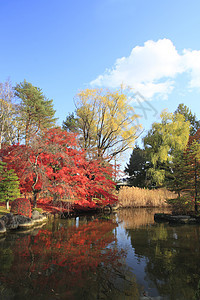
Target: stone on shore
[(172, 219), (2, 227), (35, 215), (11, 222)]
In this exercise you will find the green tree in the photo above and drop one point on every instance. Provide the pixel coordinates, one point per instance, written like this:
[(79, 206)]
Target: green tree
[(162, 143), (186, 112), (185, 175), (193, 167), (9, 185), (137, 167), (71, 123), (105, 121), (35, 111), (177, 182)]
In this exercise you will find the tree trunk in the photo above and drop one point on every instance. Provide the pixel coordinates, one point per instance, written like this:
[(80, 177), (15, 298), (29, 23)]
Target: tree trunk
[(7, 204), (35, 199), (55, 198), (196, 192)]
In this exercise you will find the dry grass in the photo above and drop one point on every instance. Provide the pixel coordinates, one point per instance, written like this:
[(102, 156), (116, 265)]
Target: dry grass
[(138, 197)]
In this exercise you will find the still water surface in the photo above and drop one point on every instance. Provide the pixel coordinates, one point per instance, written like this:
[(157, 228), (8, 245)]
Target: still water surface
[(121, 256)]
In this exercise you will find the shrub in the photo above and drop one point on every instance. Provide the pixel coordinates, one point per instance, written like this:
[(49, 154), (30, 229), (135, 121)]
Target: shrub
[(21, 206), (181, 205)]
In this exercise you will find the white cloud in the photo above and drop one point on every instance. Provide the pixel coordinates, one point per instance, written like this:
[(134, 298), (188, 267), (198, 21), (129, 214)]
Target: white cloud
[(191, 59), (152, 69)]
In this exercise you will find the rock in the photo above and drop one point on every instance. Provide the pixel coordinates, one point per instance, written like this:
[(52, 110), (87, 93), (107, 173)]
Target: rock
[(2, 227), (26, 225), (172, 219), (179, 219), (24, 222), (11, 221), (161, 217), (23, 219), (35, 215), (192, 221), (40, 220)]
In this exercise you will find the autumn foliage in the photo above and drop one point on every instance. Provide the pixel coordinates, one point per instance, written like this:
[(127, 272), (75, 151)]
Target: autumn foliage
[(54, 166), (21, 206)]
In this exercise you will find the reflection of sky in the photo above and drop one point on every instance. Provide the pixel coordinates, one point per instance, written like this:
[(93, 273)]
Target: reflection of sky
[(135, 262)]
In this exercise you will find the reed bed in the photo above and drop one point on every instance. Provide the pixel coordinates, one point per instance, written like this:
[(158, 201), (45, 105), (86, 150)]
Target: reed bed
[(141, 197)]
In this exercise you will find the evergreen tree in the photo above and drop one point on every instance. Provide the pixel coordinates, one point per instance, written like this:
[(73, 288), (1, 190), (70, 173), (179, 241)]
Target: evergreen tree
[(137, 167), (177, 182), (193, 167), (186, 112), (186, 172), (9, 185), (35, 111), (71, 123)]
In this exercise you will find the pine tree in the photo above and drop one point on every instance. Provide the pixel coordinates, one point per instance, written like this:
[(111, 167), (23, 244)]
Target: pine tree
[(186, 172), (189, 116), (9, 185), (35, 111), (137, 167)]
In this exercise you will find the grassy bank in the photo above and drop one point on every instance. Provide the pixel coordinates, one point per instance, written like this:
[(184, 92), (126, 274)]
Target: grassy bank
[(138, 197), (3, 210)]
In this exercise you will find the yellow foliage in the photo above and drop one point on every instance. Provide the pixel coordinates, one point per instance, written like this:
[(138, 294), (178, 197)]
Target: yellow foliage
[(107, 121)]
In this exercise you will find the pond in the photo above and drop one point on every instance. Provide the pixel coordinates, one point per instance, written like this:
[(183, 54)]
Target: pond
[(120, 256)]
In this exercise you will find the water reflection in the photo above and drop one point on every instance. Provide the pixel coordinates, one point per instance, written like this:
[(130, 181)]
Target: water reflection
[(101, 258), (66, 260), (172, 256), (135, 218)]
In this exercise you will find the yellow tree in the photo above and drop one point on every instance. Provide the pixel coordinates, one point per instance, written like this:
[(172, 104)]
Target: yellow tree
[(7, 114), (106, 123)]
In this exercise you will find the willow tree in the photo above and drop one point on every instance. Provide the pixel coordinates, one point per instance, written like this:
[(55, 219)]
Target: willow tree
[(35, 111), (105, 121), (162, 143)]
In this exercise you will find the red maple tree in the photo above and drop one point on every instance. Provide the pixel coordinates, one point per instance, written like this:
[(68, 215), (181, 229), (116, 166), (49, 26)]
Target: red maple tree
[(56, 166)]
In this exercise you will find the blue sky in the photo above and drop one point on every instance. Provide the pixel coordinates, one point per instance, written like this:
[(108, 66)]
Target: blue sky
[(63, 46)]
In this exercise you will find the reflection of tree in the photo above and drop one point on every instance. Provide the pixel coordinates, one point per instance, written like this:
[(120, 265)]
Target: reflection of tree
[(6, 259), (173, 255), (137, 217), (70, 262)]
